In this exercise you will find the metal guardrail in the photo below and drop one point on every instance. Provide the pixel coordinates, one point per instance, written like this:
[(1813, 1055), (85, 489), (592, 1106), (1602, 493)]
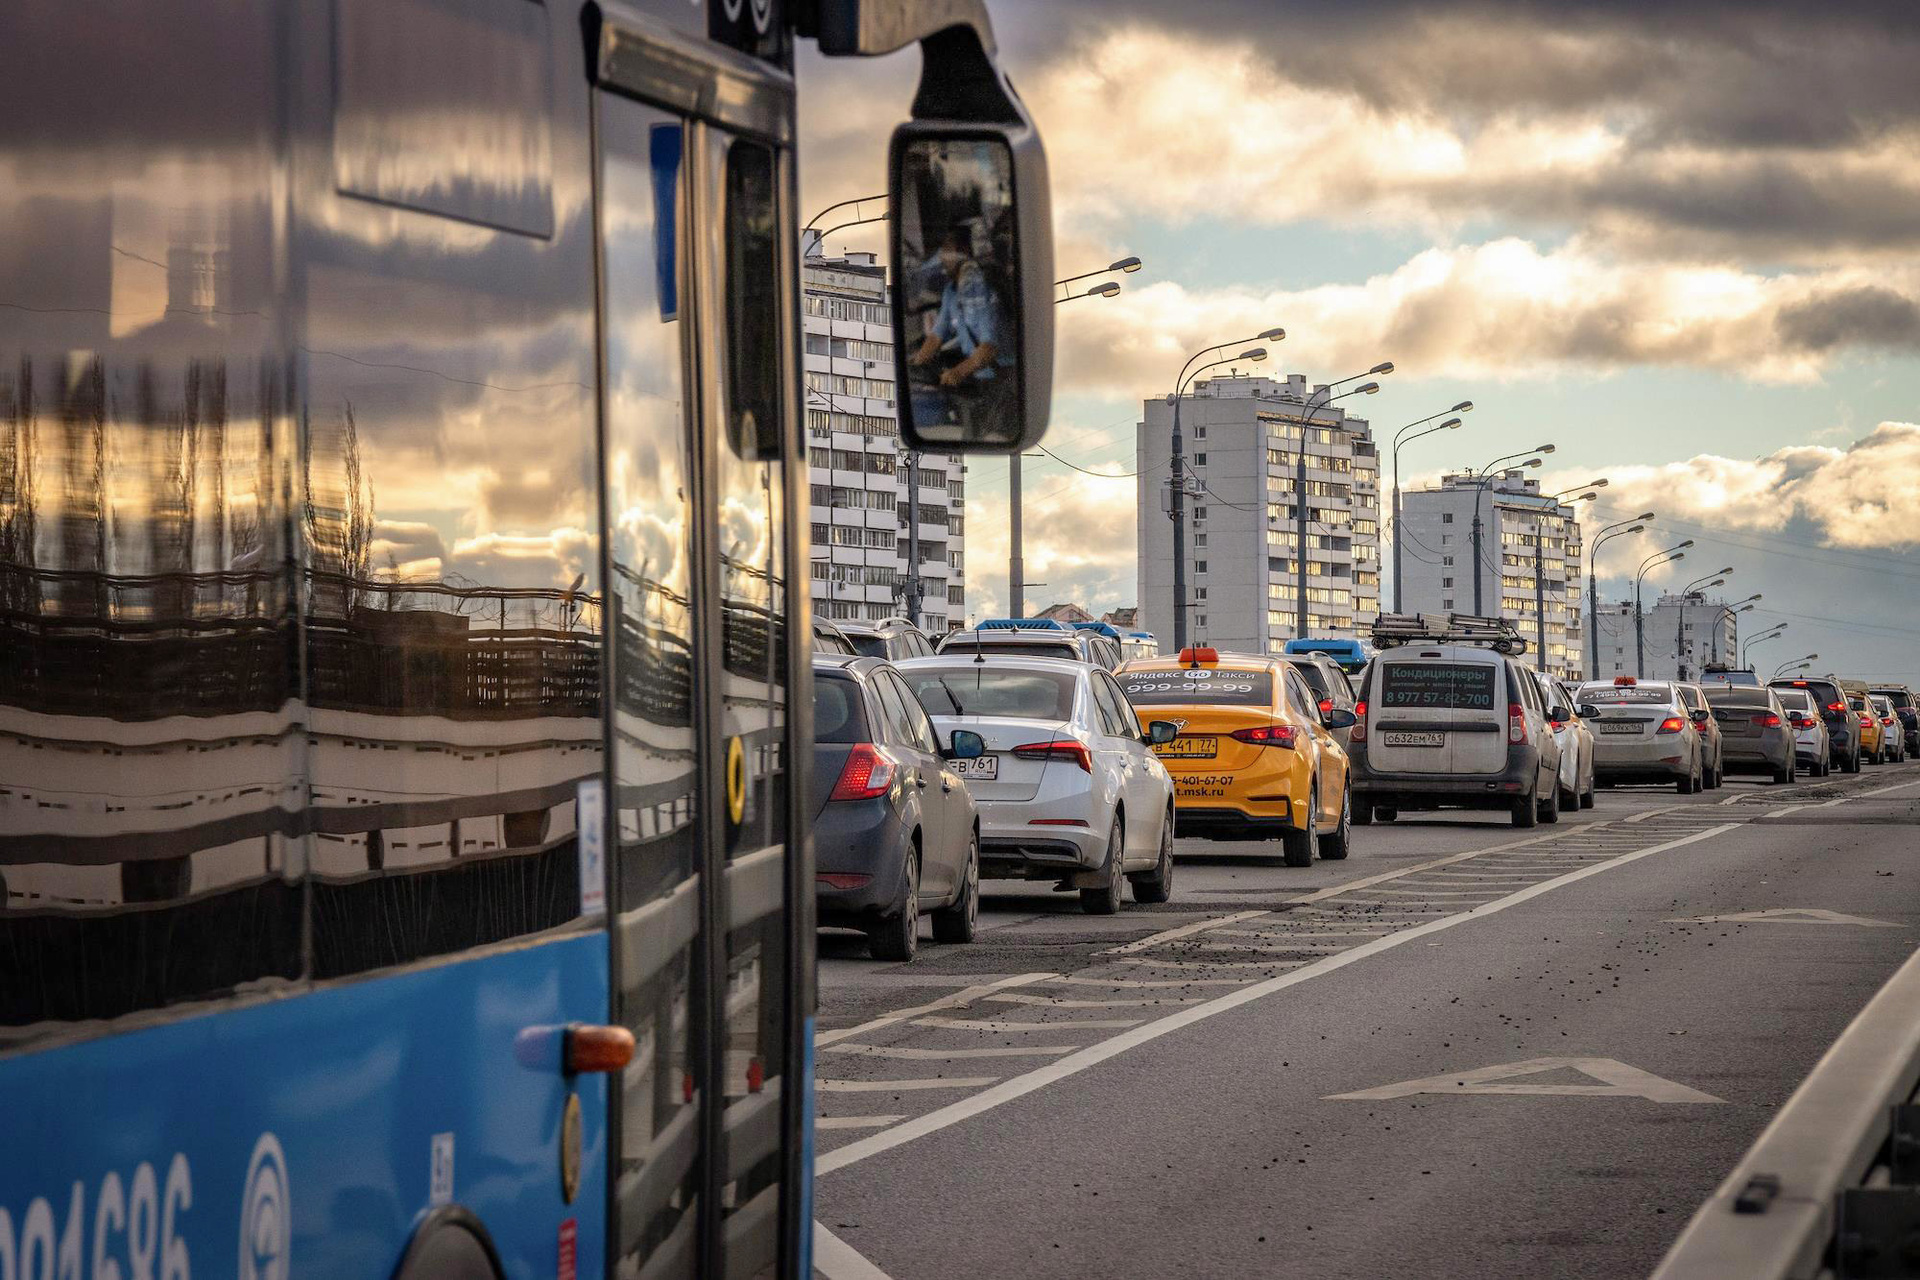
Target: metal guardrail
[(1832, 1188)]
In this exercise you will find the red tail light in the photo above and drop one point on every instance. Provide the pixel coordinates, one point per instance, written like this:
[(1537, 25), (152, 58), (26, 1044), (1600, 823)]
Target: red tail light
[(1516, 722), (1672, 724), (1326, 706), (844, 880), (1836, 706), (1767, 721), (1267, 735), (1059, 749), (1886, 719), (1359, 731), (1865, 718), (866, 775)]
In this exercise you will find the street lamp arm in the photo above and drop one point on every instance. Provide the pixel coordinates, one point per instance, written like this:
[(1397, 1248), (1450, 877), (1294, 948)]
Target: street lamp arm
[(1179, 385), (843, 204)]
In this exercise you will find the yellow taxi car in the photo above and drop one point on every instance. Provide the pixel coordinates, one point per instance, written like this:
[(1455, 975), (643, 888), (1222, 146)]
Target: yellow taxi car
[(1255, 756), (1873, 745)]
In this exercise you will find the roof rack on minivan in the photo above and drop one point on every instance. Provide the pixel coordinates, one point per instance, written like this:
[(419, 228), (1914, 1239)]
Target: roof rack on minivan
[(1393, 629)]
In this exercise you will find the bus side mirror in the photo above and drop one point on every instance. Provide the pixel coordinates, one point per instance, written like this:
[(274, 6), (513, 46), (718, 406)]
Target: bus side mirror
[(972, 284)]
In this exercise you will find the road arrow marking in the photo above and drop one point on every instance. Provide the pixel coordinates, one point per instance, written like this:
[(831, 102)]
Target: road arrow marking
[(1619, 1081), (1787, 915)]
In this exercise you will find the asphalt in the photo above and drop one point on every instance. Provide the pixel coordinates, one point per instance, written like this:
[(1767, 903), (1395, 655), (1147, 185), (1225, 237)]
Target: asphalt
[(1093, 1098)]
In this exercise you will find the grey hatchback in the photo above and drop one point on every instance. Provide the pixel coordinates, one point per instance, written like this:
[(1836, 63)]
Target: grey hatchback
[(1754, 731), (894, 830)]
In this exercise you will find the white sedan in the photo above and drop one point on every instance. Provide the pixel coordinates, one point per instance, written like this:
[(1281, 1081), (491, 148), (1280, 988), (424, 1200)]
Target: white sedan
[(1068, 789)]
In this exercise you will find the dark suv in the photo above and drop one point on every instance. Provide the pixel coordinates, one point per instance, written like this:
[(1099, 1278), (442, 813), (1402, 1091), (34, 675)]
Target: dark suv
[(1843, 731), (889, 638)]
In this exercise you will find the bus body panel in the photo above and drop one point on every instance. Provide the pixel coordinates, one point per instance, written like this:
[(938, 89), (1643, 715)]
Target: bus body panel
[(354, 1108)]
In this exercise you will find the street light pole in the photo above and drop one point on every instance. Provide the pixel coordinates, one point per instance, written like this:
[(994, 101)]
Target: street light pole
[(1606, 531), (1177, 469), (1654, 561), (1482, 479), (1300, 506), (1540, 570), (1680, 622), (1465, 406)]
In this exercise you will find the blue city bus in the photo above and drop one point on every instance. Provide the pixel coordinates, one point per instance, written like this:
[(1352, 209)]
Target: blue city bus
[(404, 695), (1351, 655)]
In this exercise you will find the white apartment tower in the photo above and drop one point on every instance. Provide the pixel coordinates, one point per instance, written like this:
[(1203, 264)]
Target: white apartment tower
[(1243, 439), (857, 470), (1530, 557), (1682, 634)]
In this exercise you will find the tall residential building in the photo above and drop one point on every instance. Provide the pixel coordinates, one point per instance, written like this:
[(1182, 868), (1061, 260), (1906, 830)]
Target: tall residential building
[(857, 468), (1682, 634), (1243, 438), (1530, 555)]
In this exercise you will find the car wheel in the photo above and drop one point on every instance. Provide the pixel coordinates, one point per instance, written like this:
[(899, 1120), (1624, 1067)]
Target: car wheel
[(961, 921), (1362, 816), (1689, 782), (1298, 846), (897, 936), (1337, 843), (1853, 765), (1157, 884), (1550, 807), (1587, 797), (1526, 812), (1105, 900), (1386, 815)]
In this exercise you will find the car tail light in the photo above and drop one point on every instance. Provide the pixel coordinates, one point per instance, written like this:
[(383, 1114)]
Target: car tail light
[(1267, 735), (1886, 719), (1799, 684), (866, 774), (1865, 718), (1672, 724), (843, 880), (1359, 732), (1767, 721), (1516, 722), (1056, 822), (1058, 749), (1836, 706), (1326, 706)]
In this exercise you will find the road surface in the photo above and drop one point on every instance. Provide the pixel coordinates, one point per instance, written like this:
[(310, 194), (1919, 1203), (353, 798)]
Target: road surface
[(1468, 1050)]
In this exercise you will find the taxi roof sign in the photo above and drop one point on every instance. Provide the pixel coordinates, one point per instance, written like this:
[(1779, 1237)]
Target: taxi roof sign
[(1194, 655)]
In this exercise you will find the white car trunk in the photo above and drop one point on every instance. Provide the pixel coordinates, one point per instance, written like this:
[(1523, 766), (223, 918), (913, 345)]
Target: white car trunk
[(1014, 778)]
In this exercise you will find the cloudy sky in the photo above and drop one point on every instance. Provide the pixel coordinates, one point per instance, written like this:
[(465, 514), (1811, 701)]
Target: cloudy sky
[(1677, 241)]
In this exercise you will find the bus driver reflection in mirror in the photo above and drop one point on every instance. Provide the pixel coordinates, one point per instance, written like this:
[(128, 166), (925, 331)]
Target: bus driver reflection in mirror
[(962, 373)]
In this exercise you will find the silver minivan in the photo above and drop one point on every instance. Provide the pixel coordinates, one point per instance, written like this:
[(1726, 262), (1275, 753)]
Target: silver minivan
[(1453, 726)]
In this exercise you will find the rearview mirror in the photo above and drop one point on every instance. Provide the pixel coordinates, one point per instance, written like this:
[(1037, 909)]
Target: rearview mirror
[(1559, 714), (965, 744), (1702, 714), (1339, 718), (1588, 711), (972, 285), (1161, 731)]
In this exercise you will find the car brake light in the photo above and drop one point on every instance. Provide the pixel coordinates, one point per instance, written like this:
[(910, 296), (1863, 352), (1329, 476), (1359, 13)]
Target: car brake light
[(1865, 718), (1799, 684), (1326, 706), (1767, 721), (1359, 732), (1058, 749), (1672, 724), (1836, 706), (1886, 719), (1056, 822), (1270, 735), (844, 880), (1516, 722), (866, 774)]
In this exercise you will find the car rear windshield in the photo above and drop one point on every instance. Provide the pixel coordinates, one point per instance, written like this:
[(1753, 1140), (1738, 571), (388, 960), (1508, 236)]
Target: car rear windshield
[(839, 714), (1316, 678), (1794, 699), (1821, 691), (871, 646), (1626, 693), (1898, 697), (1183, 687), (1019, 648), (1739, 695), (1460, 686), (977, 689)]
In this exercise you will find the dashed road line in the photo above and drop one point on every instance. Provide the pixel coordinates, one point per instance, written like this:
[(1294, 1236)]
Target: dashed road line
[(919, 1055), (884, 1086), (1073, 1063), (855, 1122), (958, 1000), (1060, 1002)]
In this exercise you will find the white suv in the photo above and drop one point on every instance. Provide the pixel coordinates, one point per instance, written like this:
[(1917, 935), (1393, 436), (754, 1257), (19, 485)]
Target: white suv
[(1453, 726)]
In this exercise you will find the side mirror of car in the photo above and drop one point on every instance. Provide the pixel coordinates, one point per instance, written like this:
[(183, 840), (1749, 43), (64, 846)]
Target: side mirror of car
[(1160, 731), (1559, 715), (965, 744), (1702, 714), (1588, 711), (1339, 718)]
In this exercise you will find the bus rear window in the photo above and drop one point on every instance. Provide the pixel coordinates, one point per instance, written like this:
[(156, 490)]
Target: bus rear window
[(1456, 686), (1198, 687)]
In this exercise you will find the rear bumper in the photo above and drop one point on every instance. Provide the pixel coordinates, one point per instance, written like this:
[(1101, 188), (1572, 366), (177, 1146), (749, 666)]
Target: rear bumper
[(862, 837), (1746, 757), (1013, 847), (1233, 823), (1446, 790)]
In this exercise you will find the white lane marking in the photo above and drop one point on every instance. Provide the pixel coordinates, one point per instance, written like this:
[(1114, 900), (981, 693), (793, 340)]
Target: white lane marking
[(1060, 1002), (1783, 812), (889, 1086), (924, 1055), (1021, 1085), (1786, 915), (835, 1259), (855, 1122), (1434, 893), (1214, 966), (981, 1024), (1132, 982), (1184, 931), (1880, 791), (1449, 860), (958, 1000), (1619, 1081), (1654, 813)]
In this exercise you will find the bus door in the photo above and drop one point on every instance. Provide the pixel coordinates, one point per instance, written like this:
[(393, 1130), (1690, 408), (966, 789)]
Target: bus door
[(698, 303)]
